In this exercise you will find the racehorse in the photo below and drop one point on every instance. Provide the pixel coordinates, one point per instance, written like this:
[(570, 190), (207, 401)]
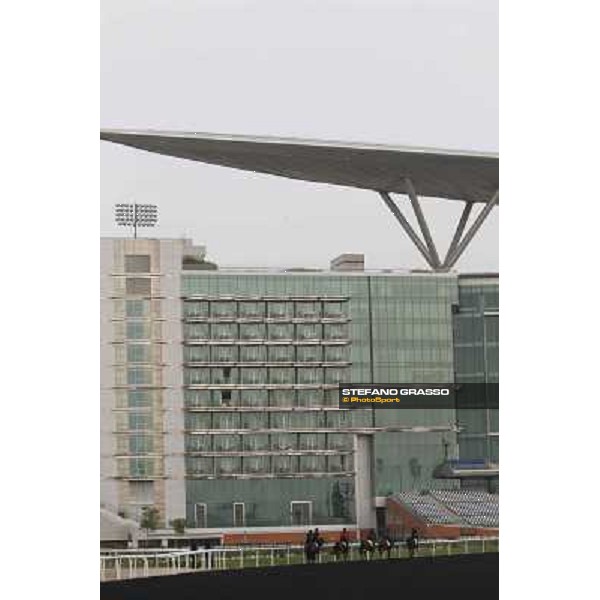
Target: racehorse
[(311, 549), (367, 547), (341, 548), (385, 545)]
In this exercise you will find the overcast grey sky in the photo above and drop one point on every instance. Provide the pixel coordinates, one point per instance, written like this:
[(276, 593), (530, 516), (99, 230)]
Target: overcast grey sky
[(403, 72)]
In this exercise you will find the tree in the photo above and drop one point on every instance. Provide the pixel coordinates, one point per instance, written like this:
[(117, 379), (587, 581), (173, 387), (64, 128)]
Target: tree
[(149, 519), (178, 526)]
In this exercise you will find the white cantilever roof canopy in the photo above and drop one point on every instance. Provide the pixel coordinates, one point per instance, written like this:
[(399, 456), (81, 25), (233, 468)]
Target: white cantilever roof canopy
[(471, 177)]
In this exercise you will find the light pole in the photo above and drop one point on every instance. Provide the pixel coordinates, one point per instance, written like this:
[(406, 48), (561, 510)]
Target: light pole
[(136, 215)]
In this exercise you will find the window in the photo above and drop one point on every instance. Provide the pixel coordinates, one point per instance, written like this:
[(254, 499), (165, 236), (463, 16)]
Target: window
[(198, 443), (309, 375), (196, 353), (137, 263), (228, 465), (227, 443), (308, 309), (256, 464), (335, 374), (281, 398), (139, 421), (253, 375), (308, 331), (137, 330), (253, 353), (196, 331), (281, 375), (224, 353), (141, 444), (335, 332), (283, 441), (310, 397), (195, 309), (280, 331), (138, 353), (200, 465), (284, 464), (281, 354), (309, 353), (138, 285), (224, 331), (223, 375), (251, 309), (336, 353), (252, 331), (253, 397), (139, 398), (224, 309), (141, 467), (280, 310), (256, 442), (139, 376), (137, 308), (254, 420), (197, 376), (200, 515), (226, 420), (333, 309), (239, 514), (311, 464), (301, 513)]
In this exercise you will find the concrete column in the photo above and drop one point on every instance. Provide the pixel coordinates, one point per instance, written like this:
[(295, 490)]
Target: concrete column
[(365, 485)]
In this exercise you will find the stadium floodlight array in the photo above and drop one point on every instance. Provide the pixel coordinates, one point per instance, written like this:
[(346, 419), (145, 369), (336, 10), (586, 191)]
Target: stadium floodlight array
[(136, 215)]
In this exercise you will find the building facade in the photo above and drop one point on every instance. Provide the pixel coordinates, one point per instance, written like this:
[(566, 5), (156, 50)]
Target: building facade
[(220, 388)]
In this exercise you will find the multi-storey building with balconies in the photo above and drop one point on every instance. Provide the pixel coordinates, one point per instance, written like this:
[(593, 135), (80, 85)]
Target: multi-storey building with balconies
[(220, 388)]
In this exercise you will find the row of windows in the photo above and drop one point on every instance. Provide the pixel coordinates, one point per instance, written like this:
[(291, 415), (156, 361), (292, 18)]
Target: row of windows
[(258, 375), (274, 442), (261, 398), (137, 398), (268, 464), (134, 420), (261, 309), (315, 353), (277, 420), (262, 331), (139, 467)]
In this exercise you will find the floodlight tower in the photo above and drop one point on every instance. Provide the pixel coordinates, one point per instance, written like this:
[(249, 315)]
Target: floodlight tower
[(136, 215)]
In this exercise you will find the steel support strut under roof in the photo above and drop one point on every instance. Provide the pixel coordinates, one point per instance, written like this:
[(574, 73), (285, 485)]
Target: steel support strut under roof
[(458, 244)]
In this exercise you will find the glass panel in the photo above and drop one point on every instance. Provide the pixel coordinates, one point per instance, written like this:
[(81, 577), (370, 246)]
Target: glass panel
[(308, 375), (224, 353), (281, 398), (280, 331), (195, 309), (253, 353), (137, 330), (137, 308), (280, 309), (253, 375), (138, 353), (310, 353), (281, 375), (251, 309), (252, 331), (253, 397), (281, 353), (308, 309)]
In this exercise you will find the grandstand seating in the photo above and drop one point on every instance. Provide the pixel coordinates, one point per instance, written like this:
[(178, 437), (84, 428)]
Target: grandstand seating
[(449, 507)]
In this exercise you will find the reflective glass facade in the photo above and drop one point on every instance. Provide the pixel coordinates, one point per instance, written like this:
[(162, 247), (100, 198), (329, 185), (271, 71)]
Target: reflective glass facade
[(476, 329), (264, 354)]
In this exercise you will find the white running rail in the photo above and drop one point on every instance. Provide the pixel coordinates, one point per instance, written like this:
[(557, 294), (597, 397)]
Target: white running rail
[(130, 564)]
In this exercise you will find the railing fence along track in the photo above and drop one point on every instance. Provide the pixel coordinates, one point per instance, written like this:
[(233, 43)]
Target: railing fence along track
[(129, 564)]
